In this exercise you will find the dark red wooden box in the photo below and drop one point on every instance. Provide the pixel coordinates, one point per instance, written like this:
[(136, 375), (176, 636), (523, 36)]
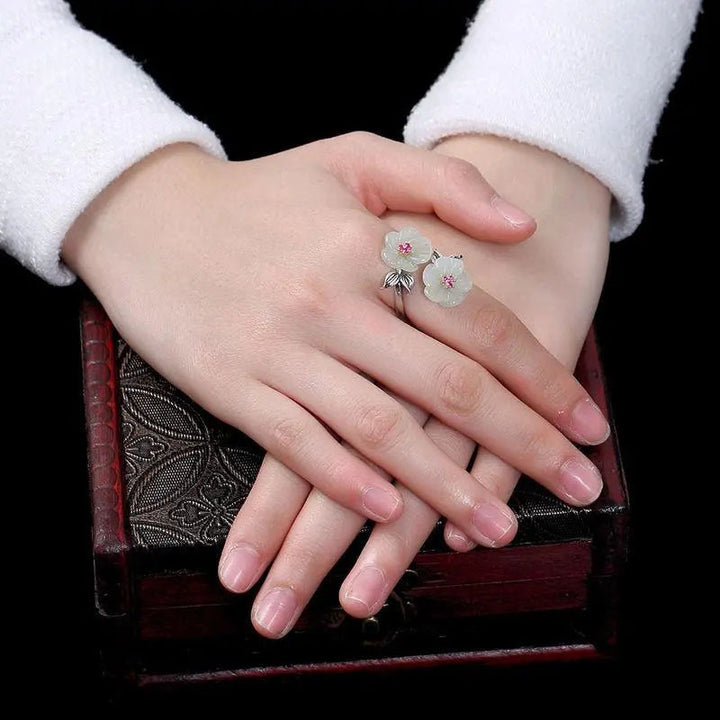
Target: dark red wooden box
[(166, 479)]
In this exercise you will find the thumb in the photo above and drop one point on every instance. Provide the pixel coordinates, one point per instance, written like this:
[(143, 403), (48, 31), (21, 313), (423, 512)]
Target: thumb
[(388, 175)]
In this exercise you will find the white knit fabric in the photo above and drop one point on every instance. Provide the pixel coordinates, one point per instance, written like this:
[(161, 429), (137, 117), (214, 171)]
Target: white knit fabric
[(586, 79), (74, 114)]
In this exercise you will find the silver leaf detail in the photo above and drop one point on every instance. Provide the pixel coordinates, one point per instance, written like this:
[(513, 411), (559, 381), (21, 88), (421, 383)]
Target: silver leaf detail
[(391, 279), (407, 280)]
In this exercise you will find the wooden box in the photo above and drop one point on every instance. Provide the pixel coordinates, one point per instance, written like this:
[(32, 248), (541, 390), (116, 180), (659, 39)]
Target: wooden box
[(166, 478)]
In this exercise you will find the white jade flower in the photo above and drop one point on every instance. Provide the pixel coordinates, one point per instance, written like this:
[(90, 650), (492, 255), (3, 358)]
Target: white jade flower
[(446, 281), (406, 249)]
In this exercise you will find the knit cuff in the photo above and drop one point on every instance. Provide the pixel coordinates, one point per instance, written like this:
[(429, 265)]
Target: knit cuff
[(77, 113), (587, 81)]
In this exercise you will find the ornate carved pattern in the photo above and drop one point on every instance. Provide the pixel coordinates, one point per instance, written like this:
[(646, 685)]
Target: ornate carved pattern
[(186, 473)]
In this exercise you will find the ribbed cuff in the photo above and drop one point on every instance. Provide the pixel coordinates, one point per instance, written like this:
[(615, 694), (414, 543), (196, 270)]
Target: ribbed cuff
[(587, 81), (77, 113)]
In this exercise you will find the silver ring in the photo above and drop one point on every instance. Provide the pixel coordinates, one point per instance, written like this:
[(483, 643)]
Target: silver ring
[(445, 279), (399, 303)]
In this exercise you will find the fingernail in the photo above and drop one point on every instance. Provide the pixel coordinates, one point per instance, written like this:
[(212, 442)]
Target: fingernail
[(276, 613), (240, 567), (492, 523), (381, 504), (460, 539), (588, 423), (368, 588), (581, 481), (511, 214)]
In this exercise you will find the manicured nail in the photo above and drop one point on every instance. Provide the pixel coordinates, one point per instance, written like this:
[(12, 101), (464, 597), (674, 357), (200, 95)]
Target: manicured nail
[(492, 523), (581, 481), (588, 423), (381, 504), (459, 539), (276, 612), (240, 567), (511, 214), (368, 587)]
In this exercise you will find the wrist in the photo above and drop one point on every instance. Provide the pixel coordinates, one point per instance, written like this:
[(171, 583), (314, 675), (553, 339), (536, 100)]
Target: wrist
[(140, 204)]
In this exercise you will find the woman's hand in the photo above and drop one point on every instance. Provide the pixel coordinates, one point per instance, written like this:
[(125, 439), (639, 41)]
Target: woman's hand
[(552, 282), (255, 288)]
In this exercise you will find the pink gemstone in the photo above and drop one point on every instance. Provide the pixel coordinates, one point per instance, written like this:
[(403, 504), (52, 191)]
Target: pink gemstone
[(405, 248), (448, 281)]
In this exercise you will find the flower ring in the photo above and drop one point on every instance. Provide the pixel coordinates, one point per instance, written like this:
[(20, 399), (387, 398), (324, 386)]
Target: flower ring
[(406, 249), (446, 280)]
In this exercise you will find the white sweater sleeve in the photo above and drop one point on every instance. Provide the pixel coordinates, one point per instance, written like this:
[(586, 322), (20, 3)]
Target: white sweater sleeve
[(586, 80), (74, 114)]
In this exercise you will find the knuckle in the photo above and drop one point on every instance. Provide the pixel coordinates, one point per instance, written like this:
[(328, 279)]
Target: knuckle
[(355, 225), (300, 561), (492, 327), (359, 138), (539, 444), (309, 299), (498, 478), (459, 172), (396, 549), (460, 387), (288, 434), (558, 389), (208, 355), (379, 426), (558, 392)]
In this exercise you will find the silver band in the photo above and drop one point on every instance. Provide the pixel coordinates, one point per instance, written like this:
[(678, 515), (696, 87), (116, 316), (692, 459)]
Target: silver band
[(399, 303)]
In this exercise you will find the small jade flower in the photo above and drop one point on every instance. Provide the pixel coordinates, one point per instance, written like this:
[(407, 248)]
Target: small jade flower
[(406, 249), (446, 281)]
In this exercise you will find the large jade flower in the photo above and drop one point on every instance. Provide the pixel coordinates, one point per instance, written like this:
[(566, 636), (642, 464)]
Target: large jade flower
[(406, 249), (446, 281)]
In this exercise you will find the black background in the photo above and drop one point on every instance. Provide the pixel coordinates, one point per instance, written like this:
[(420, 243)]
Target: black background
[(268, 76)]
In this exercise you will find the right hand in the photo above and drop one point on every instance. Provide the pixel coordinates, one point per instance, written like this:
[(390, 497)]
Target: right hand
[(254, 287)]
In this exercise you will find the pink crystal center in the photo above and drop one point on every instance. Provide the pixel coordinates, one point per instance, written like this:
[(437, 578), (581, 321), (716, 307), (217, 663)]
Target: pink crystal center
[(448, 281), (405, 248)]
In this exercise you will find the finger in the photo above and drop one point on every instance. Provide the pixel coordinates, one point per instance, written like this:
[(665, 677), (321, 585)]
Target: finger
[(260, 526), (392, 547), (381, 430), (299, 440), (497, 476), (391, 175), (319, 536), (467, 397), (484, 329)]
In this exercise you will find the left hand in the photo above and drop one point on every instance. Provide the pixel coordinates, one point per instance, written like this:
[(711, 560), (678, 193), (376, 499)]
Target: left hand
[(551, 282)]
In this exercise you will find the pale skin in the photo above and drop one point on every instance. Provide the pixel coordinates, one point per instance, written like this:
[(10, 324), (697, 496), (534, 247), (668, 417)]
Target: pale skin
[(552, 283), (254, 287)]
